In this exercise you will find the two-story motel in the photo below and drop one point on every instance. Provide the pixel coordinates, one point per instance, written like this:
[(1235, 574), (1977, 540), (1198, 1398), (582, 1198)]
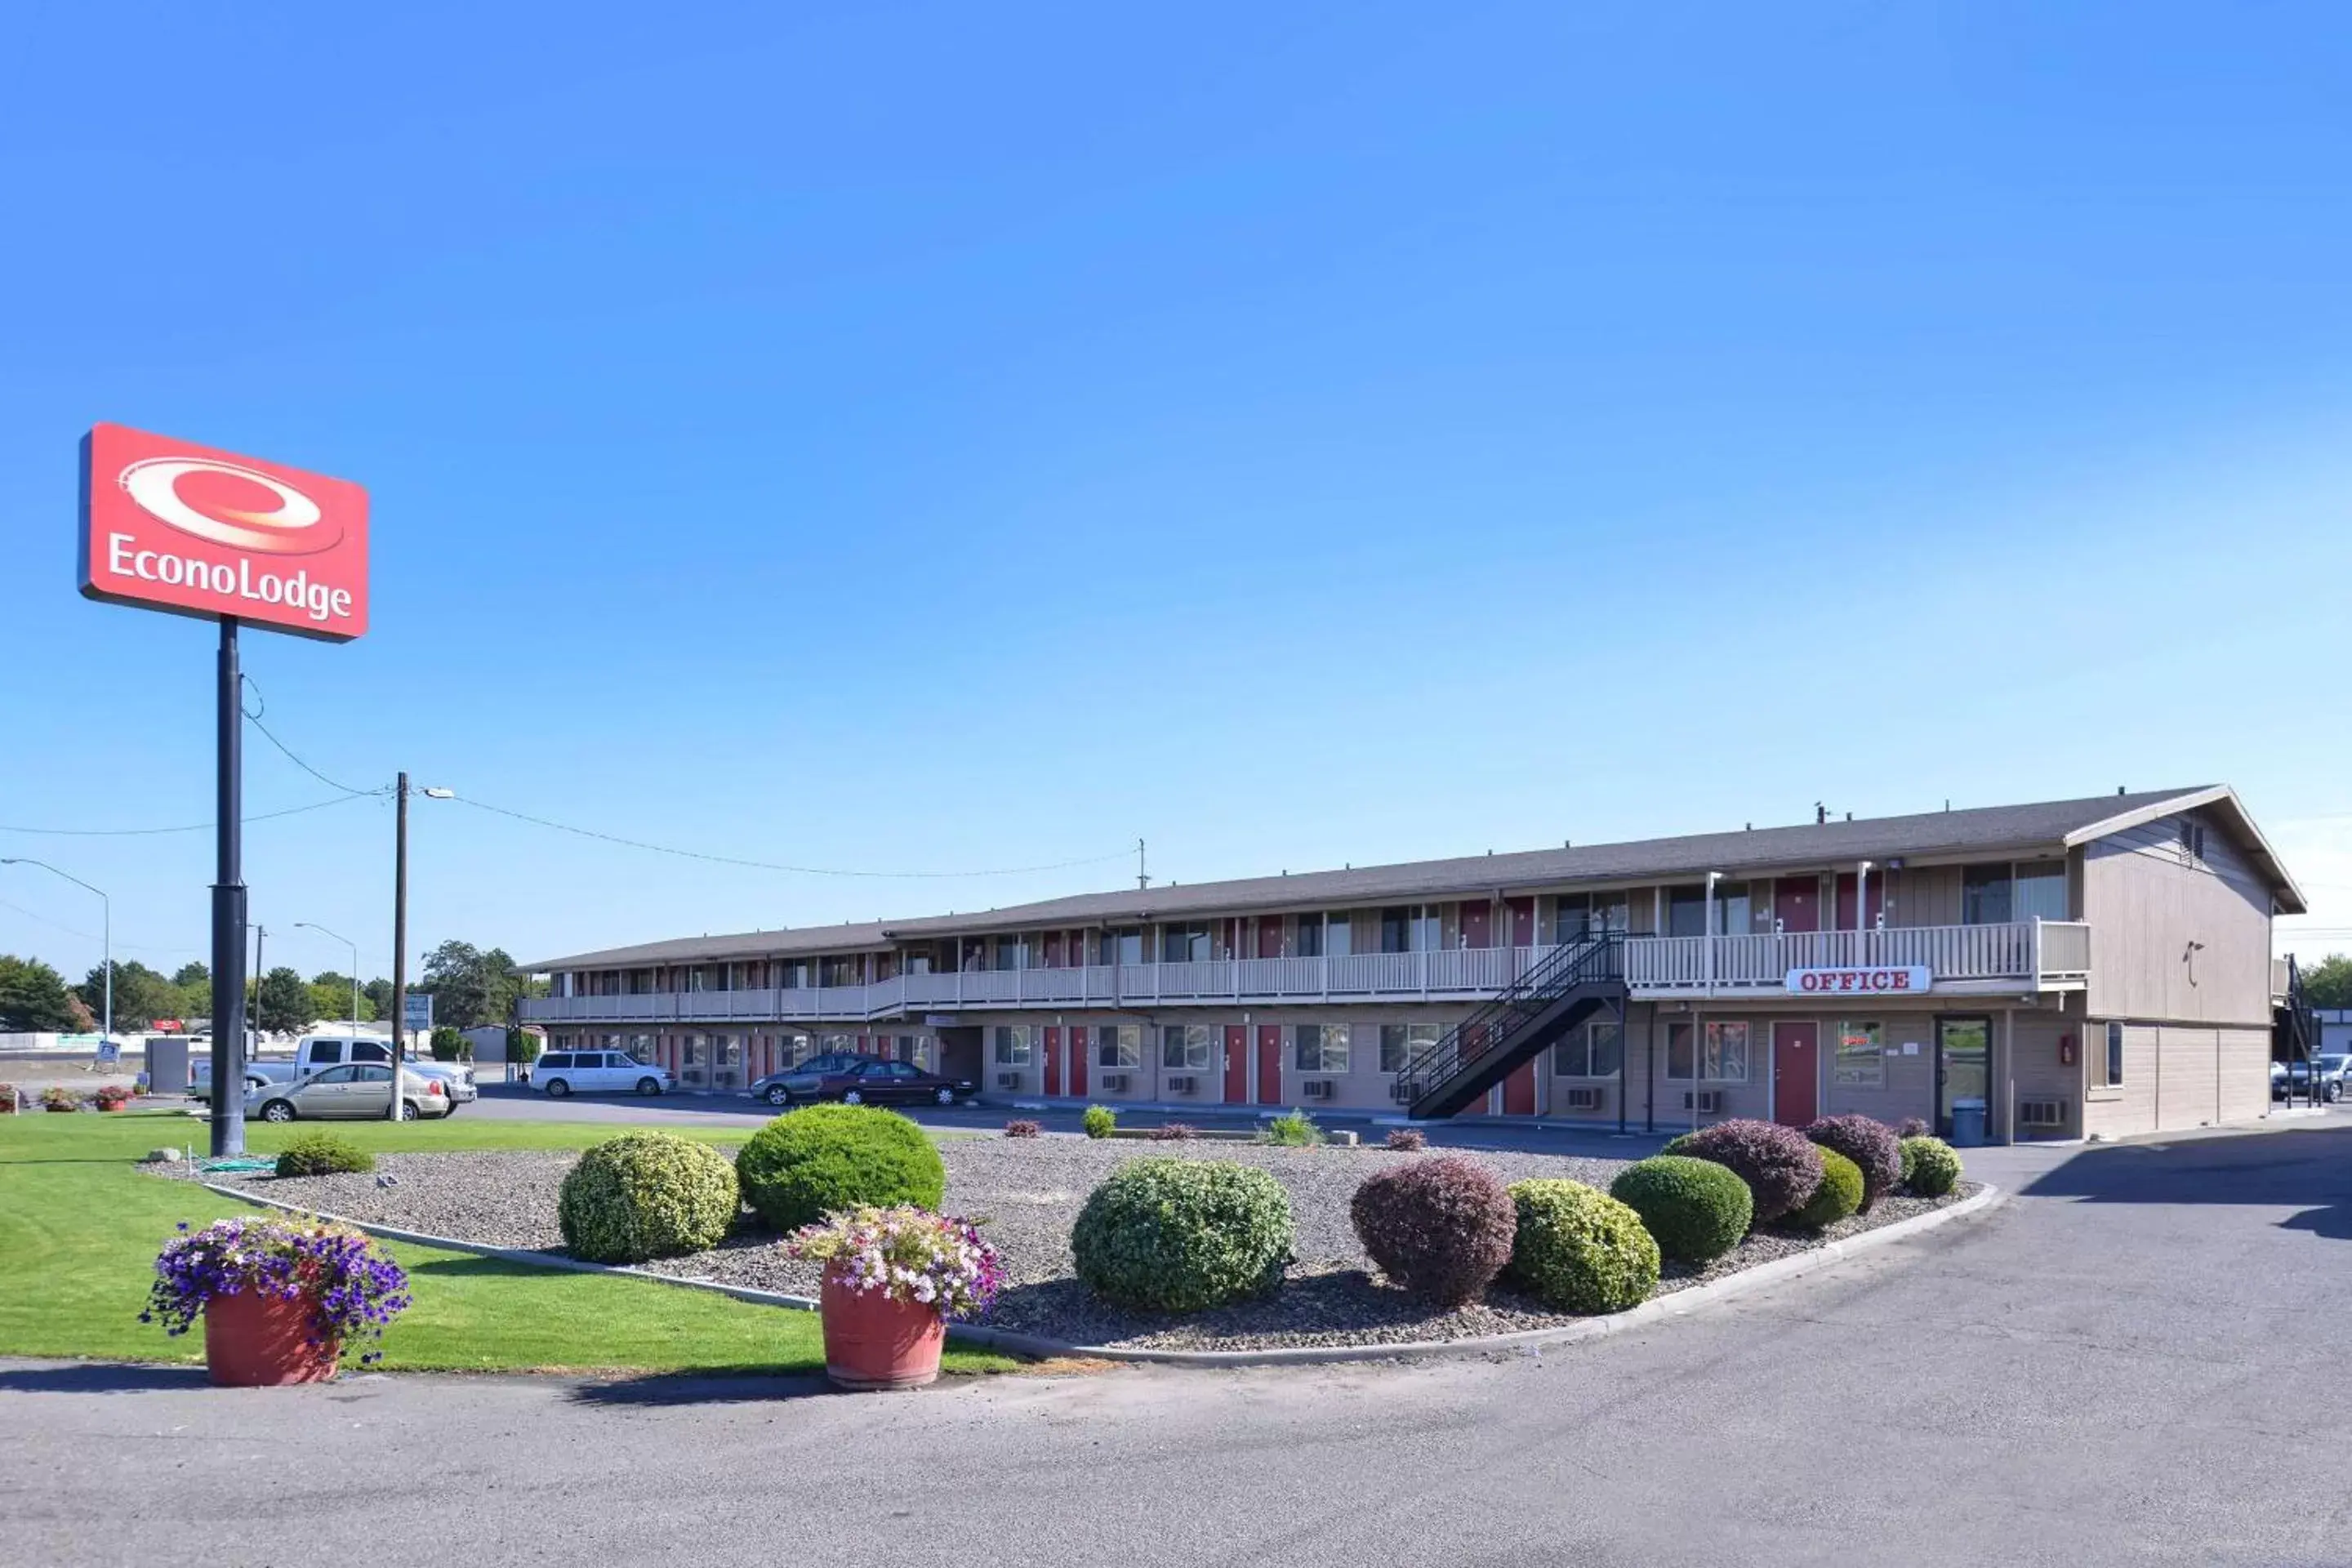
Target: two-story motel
[(2093, 966)]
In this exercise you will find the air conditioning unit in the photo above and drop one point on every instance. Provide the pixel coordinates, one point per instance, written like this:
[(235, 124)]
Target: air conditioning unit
[(1317, 1089), (1008, 1080), (1587, 1098), (1113, 1083), (1183, 1086), (2042, 1113), (1400, 1091), (1710, 1101)]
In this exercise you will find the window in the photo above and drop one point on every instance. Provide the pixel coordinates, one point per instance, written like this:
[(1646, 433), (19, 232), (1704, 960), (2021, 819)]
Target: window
[(2114, 1056), (369, 1051), (1579, 915), (2040, 892), (641, 1049), (1596, 1050), (1011, 953), (1687, 911), (1186, 944), (1861, 1060), (1985, 896), (1125, 946), (1118, 1045), (370, 1074), (2192, 839), (1396, 929), (1310, 936), (1724, 1054), (1338, 936), (1185, 1046), (1401, 1043), (1732, 908), (1322, 1047), (1013, 1041)]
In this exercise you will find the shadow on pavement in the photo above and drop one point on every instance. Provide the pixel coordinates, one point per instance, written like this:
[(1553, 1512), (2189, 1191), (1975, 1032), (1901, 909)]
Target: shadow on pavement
[(2310, 1168), (99, 1377), (726, 1386)]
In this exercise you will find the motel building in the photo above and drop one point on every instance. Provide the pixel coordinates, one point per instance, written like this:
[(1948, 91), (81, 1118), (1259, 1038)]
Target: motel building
[(2067, 969)]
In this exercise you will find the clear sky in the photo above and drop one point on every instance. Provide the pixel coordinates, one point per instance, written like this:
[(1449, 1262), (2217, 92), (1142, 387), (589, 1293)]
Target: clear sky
[(938, 438)]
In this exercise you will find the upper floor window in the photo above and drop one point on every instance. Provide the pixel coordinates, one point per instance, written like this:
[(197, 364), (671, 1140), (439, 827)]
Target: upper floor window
[(1011, 953), (2040, 893), (1579, 915), (1185, 943), (1122, 946), (2192, 838), (1686, 910), (1985, 898), (1733, 908)]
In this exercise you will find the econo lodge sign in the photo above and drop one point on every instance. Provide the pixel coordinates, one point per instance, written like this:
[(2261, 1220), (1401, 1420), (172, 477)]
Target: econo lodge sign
[(168, 525)]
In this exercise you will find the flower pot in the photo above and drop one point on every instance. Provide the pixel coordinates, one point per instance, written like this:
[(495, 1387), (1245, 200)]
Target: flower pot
[(872, 1342), (253, 1340)]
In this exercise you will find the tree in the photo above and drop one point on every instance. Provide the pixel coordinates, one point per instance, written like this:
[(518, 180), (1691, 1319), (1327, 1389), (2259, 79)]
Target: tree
[(33, 998), (330, 994), (376, 996), (2328, 983), (471, 987), (193, 973), (195, 996), (141, 996), (284, 1002)]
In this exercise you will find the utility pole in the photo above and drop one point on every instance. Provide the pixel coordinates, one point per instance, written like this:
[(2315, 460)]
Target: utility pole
[(399, 936), (229, 902), (1142, 880)]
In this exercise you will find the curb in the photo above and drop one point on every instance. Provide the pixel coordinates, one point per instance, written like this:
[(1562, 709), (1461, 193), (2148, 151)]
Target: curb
[(1679, 1303)]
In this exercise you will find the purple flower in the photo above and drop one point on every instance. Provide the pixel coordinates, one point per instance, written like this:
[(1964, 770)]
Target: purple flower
[(354, 1290)]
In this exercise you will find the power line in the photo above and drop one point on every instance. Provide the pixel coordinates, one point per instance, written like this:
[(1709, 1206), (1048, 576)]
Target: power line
[(188, 827), (253, 717), (91, 936), (773, 866)]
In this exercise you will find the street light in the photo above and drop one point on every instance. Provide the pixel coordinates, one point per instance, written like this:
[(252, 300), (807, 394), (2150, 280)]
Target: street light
[(106, 905), (347, 941)]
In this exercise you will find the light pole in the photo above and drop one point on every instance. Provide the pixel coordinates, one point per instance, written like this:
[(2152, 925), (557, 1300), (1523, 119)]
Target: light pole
[(399, 925), (107, 914), (347, 941)]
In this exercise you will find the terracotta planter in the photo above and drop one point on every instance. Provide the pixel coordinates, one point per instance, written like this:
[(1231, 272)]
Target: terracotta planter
[(263, 1342), (873, 1342)]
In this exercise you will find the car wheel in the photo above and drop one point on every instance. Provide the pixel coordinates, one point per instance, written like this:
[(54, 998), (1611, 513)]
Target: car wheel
[(946, 1096), (648, 1086), (278, 1111), (2334, 1092), (779, 1095), (557, 1088), (408, 1111), (853, 1098)]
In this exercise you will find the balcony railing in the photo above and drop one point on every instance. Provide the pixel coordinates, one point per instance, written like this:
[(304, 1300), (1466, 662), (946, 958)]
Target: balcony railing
[(2030, 955)]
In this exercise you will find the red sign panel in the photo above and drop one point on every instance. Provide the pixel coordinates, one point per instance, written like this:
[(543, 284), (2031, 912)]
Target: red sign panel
[(166, 525)]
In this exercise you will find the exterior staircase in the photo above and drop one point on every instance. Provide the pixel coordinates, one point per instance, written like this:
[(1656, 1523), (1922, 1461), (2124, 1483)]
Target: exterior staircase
[(1572, 983)]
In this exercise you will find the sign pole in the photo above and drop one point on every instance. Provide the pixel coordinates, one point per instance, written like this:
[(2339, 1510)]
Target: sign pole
[(399, 935), (228, 905)]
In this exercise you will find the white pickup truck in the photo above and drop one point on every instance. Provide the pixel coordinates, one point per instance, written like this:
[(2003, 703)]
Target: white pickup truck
[(314, 1053)]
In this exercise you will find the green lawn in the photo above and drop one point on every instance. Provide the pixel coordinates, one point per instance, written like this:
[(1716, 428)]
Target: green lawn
[(79, 1226)]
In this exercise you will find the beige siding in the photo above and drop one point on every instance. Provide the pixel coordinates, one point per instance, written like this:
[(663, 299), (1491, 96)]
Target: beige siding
[(2245, 1074), (2189, 1078), (2130, 1107), (2178, 1076), (2035, 1069), (1925, 896), (2146, 903)]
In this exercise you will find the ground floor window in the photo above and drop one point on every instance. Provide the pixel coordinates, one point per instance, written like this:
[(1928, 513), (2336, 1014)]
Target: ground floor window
[(1596, 1050), (1013, 1044), (1401, 1043), (641, 1048), (1118, 1045), (1861, 1055), (1322, 1047), (1724, 1053), (2114, 1056), (1185, 1046)]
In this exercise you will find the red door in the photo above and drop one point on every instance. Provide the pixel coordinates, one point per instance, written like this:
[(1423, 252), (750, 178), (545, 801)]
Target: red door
[(1522, 923), (1478, 925), (1797, 903), (1237, 1065), (1519, 1092), (1796, 1072), (1269, 1064), (1269, 936), (1078, 1062), (1053, 1061), (1845, 884)]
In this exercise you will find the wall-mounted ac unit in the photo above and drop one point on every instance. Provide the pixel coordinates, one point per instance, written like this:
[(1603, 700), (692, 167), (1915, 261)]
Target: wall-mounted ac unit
[(1586, 1099), (1113, 1083), (2042, 1113), (1008, 1080), (1183, 1086), (1710, 1101), (1317, 1089)]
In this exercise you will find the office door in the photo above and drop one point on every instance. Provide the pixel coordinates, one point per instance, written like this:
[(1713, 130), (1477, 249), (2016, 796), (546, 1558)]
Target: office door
[(1796, 1072)]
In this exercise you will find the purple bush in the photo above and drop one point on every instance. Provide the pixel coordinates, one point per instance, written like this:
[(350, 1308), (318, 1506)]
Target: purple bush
[(1024, 1130), (1408, 1139), (1172, 1132), (1778, 1162), (1871, 1144), (1912, 1128), (1442, 1228)]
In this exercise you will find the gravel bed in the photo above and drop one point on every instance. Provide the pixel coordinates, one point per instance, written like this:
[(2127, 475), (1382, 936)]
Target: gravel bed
[(1028, 1193)]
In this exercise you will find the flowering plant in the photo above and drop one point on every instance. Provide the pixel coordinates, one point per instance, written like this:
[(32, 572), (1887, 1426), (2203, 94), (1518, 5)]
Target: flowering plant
[(113, 1096), (909, 1254), (58, 1096), (353, 1288)]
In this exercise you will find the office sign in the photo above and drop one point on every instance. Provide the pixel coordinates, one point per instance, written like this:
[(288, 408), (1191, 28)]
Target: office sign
[(416, 1016), (1893, 980), (169, 525)]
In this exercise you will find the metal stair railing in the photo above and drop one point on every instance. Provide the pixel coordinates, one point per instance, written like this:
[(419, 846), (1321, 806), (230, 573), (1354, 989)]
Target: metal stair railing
[(1492, 1028)]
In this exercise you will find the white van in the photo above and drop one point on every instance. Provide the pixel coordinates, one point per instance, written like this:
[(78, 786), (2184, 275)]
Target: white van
[(314, 1053)]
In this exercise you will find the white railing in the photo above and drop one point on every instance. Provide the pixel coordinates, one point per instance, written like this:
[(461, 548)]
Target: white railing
[(2033, 954)]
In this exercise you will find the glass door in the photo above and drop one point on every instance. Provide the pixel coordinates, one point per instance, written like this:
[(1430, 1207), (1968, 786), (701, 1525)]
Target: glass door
[(694, 1061), (1963, 1077), (727, 1061)]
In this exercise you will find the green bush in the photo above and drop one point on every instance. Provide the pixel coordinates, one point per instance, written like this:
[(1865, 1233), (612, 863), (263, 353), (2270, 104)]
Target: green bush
[(1296, 1130), (446, 1044), (1910, 1156), (649, 1195), (1180, 1236), (1697, 1209), (1678, 1144), (824, 1158), (322, 1155), (522, 1046), (1580, 1250), (1838, 1196), (1099, 1121), (1930, 1168)]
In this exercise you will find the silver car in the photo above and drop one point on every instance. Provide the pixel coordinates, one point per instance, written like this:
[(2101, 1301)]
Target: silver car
[(356, 1091)]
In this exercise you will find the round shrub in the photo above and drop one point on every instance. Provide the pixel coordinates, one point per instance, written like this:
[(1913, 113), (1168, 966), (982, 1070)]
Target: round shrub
[(1178, 1235), (1780, 1167), (1408, 1139), (1697, 1209), (1099, 1121), (1577, 1250), (1909, 1156), (1913, 1127), (1838, 1197), (1869, 1143), (1441, 1227), (322, 1155), (824, 1158), (1935, 1168), (649, 1195), (1677, 1144), (1021, 1128)]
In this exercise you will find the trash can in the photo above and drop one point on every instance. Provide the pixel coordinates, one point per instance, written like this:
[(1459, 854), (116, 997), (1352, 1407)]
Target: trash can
[(1968, 1123)]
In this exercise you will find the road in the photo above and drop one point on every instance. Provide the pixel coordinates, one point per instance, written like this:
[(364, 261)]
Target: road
[(2101, 1371)]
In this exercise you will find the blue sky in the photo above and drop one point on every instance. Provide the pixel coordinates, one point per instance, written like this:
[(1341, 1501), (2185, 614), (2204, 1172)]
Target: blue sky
[(942, 439)]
